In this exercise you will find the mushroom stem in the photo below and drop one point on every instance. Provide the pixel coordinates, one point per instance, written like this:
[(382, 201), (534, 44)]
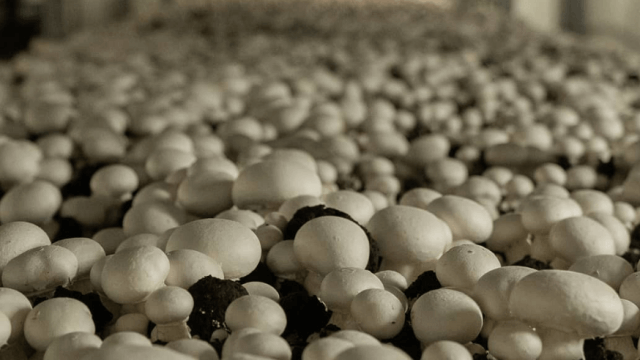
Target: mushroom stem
[(560, 345), (170, 332), (621, 344)]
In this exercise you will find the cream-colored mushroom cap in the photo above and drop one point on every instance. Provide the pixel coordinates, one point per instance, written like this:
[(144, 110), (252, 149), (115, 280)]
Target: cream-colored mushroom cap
[(114, 181), (36, 202), (446, 314), (463, 265), (143, 239), (325, 348), (126, 338), (290, 206), (234, 246), (340, 286), (330, 242), (409, 235), (507, 229), (196, 348), (378, 312), (16, 307), (18, 237), (493, 289), (282, 261), (611, 269), (132, 322), (446, 350), (95, 274), (128, 351), (40, 269), (630, 288), (248, 218), (86, 250), (373, 352), (392, 278), (355, 337), (168, 304), (514, 340), (264, 344), (619, 232), (419, 197), (358, 206), (580, 236), (466, 218), (206, 194), (229, 345), (72, 346), (56, 317), (267, 184), (154, 217), (593, 201), (263, 289), (258, 312), (567, 301), (187, 266), (540, 213), (131, 275)]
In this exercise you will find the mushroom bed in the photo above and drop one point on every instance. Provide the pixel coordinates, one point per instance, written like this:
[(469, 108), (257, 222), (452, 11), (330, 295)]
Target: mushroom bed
[(320, 181)]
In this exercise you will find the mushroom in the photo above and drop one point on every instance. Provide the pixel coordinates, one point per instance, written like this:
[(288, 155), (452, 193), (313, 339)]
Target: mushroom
[(257, 312), (17, 237), (576, 237), (72, 346), (466, 218), (234, 246), (620, 234), (87, 252), (109, 238), (154, 217), (196, 348), (327, 348), (327, 243), (358, 206), (267, 184), (132, 322), (131, 275), (493, 289), (378, 312), (269, 235), (57, 171), (143, 239), (260, 343), (262, 289), (611, 269), (462, 266), (446, 350), (246, 217), (373, 352), (35, 202), (56, 317), (169, 308), (282, 261), (187, 266), (514, 340), (340, 287), (19, 162), (289, 207), (135, 351), (622, 341), (446, 314), (593, 201), (206, 194), (540, 213), (5, 329), (115, 181), (419, 197), (37, 272), (164, 161), (125, 338), (569, 308), (409, 239)]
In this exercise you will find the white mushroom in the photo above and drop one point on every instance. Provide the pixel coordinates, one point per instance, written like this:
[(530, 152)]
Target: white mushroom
[(257, 312), (169, 308)]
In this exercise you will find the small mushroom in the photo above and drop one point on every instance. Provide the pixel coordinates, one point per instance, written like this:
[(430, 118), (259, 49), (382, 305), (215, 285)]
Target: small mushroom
[(358, 206), (446, 350), (17, 237), (206, 194), (258, 312), (35, 202), (169, 308), (87, 252), (540, 213), (261, 343), (378, 312), (576, 237), (462, 266), (514, 340), (611, 269), (419, 197), (187, 266), (325, 348), (282, 261), (466, 218), (115, 181), (154, 217), (262, 289), (72, 346), (132, 322)]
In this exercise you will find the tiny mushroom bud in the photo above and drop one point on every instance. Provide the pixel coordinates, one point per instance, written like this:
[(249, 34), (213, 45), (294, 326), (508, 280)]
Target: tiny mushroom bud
[(446, 350), (234, 246), (169, 308), (258, 312), (72, 346), (446, 314), (56, 317), (187, 266)]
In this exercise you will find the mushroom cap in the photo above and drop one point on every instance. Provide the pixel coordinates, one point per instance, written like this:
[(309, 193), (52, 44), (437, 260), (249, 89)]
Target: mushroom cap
[(619, 232), (168, 304), (143, 239), (466, 218), (187, 266), (114, 181), (567, 301), (136, 322), (611, 269), (507, 229), (162, 162), (248, 218), (282, 260), (40, 269), (408, 234), (290, 206), (95, 275), (129, 351), (16, 307), (267, 184), (580, 236), (540, 213), (214, 164), (463, 265), (331, 242), (357, 205), (131, 275), (86, 250), (339, 287), (325, 348), (196, 348), (419, 197), (263, 289), (256, 311), (493, 289), (35, 202), (355, 337), (72, 346), (514, 340), (631, 320), (154, 217), (264, 344), (593, 201), (373, 352), (446, 350), (56, 317), (446, 314), (630, 288), (109, 238), (392, 278), (206, 194), (17, 237), (234, 246), (126, 338), (378, 312)]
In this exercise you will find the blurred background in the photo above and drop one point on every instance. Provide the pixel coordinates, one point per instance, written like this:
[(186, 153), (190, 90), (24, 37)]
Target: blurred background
[(20, 20)]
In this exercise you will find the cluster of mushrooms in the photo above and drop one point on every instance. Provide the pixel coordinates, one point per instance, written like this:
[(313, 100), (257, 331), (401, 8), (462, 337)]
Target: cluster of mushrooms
[(319, 181)]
